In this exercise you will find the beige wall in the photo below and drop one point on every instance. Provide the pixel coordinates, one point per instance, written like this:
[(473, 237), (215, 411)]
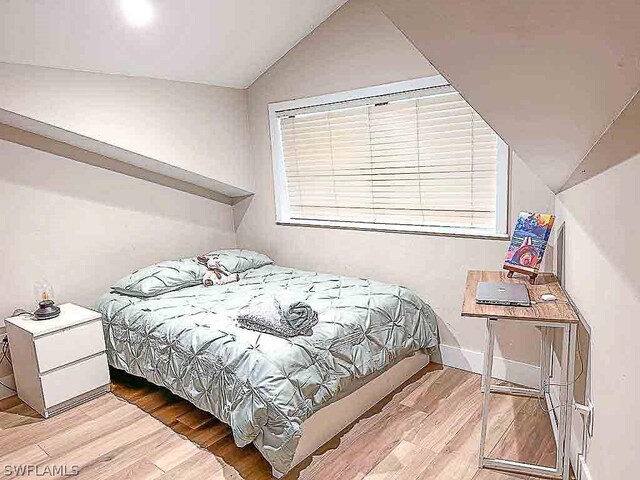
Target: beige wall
[(83, 227), (602, 236), (359, 47), (197, 127)]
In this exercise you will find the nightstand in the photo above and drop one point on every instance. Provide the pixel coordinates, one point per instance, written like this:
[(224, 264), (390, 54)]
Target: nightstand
[(58, 363)]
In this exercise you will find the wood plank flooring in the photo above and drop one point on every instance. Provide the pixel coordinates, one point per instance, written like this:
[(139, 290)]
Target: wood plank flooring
[(427, 429)]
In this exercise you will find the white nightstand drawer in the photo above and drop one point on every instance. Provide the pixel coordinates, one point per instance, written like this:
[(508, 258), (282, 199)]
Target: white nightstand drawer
[(68, 382), (68, 345)]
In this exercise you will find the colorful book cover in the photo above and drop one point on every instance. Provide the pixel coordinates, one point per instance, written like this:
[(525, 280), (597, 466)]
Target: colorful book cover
[(529, 241)]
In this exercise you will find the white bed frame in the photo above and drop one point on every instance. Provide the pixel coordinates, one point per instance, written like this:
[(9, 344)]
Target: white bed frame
[(326, 423)]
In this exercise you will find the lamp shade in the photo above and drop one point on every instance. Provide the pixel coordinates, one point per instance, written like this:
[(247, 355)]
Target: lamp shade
[(47, 308), (43, 291)]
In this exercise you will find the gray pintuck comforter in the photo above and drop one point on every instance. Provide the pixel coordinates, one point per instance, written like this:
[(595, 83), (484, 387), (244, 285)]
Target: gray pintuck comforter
[(264, 386)]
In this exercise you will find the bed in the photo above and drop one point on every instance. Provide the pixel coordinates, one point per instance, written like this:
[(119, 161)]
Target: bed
[(286, 395)]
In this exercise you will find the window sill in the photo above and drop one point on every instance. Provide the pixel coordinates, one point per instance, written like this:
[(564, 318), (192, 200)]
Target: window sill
[(409, 229)]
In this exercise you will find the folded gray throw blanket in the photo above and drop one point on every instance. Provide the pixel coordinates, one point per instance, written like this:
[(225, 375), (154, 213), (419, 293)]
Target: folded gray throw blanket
[(279, 316)]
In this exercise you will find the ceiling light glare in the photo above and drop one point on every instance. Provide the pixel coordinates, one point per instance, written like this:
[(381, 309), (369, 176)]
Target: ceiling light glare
[(138, 13)]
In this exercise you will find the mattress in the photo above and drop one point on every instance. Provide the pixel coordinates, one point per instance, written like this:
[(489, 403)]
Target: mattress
[(264, 386)]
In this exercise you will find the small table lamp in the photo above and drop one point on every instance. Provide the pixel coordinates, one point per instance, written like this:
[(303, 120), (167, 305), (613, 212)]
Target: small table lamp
[(44, 296)]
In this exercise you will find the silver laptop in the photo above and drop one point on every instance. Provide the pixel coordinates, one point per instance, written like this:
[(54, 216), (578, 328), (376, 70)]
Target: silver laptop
[(509, 294)]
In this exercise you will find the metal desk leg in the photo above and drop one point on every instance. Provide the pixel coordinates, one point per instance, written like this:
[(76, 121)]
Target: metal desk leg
[(486, 384), (561, 413), (545, 359), (569, 351)]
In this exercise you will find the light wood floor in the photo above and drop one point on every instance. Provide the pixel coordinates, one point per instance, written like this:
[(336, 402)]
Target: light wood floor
[(427, 429)]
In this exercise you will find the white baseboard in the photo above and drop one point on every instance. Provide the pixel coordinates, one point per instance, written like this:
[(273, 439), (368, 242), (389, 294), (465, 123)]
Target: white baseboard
[(503, 368), (9, 381), (585, 474), (578, 463)]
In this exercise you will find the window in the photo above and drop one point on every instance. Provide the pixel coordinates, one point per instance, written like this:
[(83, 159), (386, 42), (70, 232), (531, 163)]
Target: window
[(410, 156)]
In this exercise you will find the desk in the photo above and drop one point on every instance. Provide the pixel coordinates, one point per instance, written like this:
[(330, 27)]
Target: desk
[(557, 314)]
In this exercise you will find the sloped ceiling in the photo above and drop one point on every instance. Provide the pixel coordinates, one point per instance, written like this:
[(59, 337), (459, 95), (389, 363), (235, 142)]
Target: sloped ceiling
[(619, 143), (548, 76), (218, 42)]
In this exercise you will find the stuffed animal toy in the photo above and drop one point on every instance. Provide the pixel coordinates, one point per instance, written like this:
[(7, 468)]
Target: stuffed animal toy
[(217, 274)]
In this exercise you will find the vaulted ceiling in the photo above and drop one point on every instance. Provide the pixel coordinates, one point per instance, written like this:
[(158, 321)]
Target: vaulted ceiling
[(549, 76), (619, 143), (219, 42)]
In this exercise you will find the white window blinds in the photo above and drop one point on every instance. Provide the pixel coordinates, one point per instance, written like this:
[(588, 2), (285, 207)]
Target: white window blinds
[(421, 158)]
